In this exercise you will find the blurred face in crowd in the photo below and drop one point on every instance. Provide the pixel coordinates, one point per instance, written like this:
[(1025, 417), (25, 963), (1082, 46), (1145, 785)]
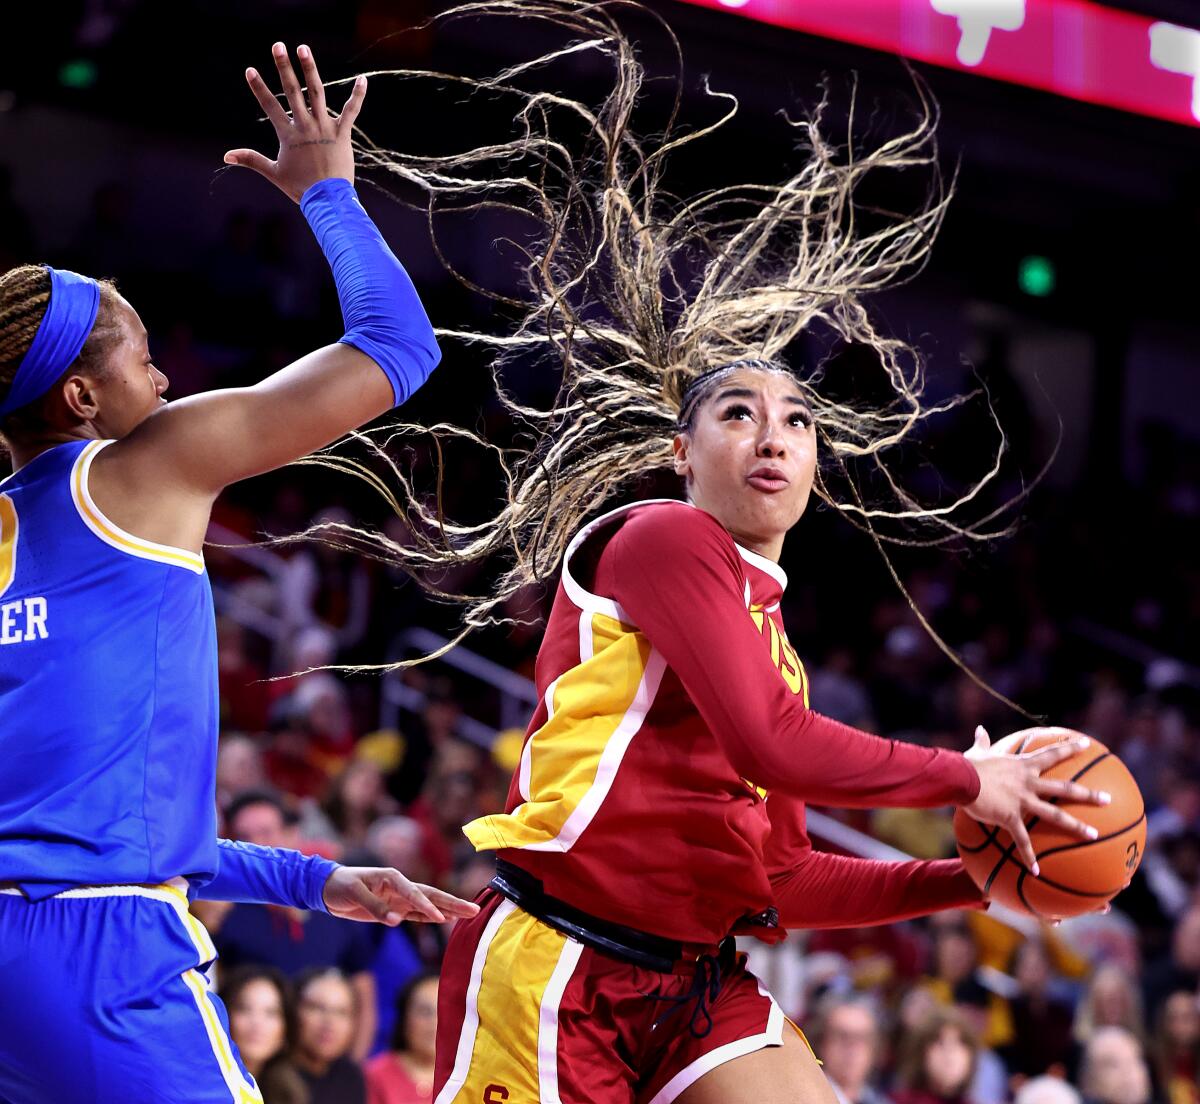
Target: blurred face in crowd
[(397, 842), (848, 1046), (257, 1023), (1033, 968), (749, 456), (261, 823), (1181, 1020), (326, 1019), (948, 1062), (362, 788), (954, 954), (239, 765), (1114, 1070), (421, 1024), (1112, 998), (1185, 946)]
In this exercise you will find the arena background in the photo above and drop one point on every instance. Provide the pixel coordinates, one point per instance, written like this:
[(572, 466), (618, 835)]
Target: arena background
[(1064, 281)]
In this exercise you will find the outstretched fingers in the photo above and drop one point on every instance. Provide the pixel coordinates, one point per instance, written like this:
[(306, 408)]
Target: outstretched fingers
[(267, 101), (1063, 789), (1020, 836), (291, 86), (1060, 818), (312, 81), (1053, 754), (354, 103), (448, 903)]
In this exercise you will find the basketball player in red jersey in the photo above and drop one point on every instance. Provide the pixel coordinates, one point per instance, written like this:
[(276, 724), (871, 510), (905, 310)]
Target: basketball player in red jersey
[(659, 802)]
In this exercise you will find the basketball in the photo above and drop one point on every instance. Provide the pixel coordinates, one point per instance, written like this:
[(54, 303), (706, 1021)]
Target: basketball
[(1076, 875)]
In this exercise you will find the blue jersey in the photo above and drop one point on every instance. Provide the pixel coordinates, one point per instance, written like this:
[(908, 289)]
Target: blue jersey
[(108, 691)]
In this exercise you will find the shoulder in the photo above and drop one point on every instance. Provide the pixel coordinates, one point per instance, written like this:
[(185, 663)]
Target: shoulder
[(675, 526)]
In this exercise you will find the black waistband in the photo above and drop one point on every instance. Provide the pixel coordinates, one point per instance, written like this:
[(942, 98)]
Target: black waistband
[(637, 947)]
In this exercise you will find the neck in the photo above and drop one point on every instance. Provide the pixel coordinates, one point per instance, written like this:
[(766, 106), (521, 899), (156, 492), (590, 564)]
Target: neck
[(852, 1090), (770, 548), (312, 1064), (22, 452), (417, 1063)]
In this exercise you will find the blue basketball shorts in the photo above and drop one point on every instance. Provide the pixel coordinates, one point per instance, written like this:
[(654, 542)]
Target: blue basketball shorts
[(104, 996)]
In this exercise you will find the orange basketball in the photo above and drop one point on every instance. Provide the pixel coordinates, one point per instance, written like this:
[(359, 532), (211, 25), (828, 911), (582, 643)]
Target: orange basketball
[(1076, 875)]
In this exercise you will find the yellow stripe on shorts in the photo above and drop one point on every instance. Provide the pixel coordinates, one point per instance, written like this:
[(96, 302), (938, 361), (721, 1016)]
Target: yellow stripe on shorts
[(509, 1039)]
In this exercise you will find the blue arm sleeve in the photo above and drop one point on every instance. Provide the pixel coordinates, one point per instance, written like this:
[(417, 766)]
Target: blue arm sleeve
[(380, 307), (267, 876)]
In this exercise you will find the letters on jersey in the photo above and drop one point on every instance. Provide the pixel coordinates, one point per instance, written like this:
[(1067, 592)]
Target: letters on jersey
[(24, 619)]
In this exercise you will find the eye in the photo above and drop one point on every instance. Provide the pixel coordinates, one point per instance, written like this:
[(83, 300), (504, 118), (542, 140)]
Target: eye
[(801, 418), (738, 410)]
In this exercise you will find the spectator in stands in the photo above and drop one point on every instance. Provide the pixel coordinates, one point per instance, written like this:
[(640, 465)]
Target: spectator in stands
[(937, 1061), (262, 1021), (403, 1074), (244, 696), (1041, 1025), (1180, 969), (402, 952), (239, 768), (1047, 1090), (292, 940), (355, 800), (327, 1013), (847, 1037), (1114, 1069), (437, 724), (1176, 1048), (1110, 1000)]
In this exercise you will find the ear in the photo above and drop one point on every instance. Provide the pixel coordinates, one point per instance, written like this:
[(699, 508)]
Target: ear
[(681, 447), (80, 398)]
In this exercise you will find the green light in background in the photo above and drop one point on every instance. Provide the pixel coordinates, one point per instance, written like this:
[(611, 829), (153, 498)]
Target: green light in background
[(1036, 276), (78, 73)]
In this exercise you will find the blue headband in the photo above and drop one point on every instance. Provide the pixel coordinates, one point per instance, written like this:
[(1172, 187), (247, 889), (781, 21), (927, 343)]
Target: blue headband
[(74, 302)]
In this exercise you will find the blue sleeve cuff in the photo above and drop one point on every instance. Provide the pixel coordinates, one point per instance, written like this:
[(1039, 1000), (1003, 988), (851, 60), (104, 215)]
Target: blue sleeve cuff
[(381, 310), (250, 874)]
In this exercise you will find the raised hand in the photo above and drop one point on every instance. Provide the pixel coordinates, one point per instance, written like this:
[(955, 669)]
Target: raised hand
[(313, 143), (1011, 788), (386, 896)]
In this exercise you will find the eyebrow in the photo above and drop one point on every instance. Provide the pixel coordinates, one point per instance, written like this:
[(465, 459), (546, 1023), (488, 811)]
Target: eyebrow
[(746, 393)]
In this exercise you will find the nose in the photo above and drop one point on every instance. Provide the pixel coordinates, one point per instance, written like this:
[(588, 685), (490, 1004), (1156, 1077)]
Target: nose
[(770, 440), (161, 383)]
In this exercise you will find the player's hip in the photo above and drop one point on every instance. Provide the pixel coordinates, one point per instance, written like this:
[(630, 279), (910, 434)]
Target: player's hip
[(104, 992), (529, 1013)]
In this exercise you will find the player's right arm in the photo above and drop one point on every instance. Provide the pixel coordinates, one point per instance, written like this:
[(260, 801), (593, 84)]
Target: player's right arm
[(198, 445), (676, 573)]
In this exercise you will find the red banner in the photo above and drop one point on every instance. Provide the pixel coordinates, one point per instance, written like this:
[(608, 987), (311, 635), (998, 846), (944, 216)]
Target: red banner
[(1072, 47)]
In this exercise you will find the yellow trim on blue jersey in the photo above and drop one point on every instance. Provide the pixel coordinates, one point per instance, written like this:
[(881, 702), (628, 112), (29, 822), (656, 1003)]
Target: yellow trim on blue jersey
[(8, 542), (111, 533)]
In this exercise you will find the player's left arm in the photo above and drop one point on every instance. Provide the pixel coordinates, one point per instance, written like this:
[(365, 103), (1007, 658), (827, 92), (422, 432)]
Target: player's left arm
[(252, 874), (818, 889)]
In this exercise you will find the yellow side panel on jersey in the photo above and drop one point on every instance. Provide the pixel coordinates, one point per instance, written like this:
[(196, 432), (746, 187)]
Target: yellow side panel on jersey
[(596, 709), (8, 542)]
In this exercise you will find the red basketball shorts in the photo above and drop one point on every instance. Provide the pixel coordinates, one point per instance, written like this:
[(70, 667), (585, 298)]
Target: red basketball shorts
[(528, 1016)]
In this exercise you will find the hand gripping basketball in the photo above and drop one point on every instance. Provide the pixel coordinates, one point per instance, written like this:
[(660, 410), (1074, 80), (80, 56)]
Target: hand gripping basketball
[(1012, 789), (1082, 856)]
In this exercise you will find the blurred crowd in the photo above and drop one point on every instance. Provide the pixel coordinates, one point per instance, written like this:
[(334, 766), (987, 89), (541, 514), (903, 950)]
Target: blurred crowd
[(1084, 615)]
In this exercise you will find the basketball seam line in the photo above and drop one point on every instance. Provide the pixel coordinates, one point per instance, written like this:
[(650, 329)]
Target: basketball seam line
[(1071, 847)]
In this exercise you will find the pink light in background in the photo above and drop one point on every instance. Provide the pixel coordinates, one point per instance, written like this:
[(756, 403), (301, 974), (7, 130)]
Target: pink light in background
[(1077, 49)]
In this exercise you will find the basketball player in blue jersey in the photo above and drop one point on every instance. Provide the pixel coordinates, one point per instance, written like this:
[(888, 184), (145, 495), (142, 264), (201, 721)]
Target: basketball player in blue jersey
[(108, 673)]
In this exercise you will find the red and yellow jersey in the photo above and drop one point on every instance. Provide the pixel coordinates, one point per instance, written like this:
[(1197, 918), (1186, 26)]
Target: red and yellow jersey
[(672, 704)]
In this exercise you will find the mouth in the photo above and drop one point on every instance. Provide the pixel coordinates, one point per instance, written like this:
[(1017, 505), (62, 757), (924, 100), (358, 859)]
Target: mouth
[(768, 480)]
